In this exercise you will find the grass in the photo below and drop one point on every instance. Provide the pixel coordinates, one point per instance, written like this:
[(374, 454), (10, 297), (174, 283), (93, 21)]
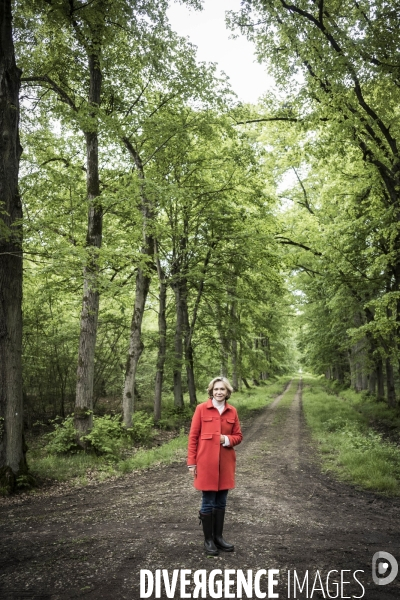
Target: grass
[(168, 453), (350, 448), (82, 468)]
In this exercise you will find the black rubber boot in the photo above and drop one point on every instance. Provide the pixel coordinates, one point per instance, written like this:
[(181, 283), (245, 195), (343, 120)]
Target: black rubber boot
[(218, 528), (207, 522)]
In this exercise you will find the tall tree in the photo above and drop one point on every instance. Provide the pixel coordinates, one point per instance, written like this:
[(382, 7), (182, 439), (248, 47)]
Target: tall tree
[(12, 459), (85, 67)]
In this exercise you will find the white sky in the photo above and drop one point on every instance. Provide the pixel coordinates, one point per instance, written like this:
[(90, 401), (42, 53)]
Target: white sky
[(206, 29)]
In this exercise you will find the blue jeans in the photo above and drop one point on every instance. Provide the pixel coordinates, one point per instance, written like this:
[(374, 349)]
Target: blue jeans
[(212, 500)]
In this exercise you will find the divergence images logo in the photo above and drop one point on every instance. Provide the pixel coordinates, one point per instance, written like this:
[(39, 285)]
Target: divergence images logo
[(387, 564)]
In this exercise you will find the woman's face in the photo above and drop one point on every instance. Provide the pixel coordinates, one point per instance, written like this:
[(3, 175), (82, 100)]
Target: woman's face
[(219, 391)]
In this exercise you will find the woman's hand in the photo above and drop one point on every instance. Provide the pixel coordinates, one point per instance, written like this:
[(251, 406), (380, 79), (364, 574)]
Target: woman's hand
[(193, 471), (222, 439)]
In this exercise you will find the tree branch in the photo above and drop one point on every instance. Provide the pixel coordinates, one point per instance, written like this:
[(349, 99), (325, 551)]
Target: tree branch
[(54, 86)]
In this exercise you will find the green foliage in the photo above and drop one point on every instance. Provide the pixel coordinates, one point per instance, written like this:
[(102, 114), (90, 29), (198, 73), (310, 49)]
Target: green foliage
[(334, 157), (173, 450), (81, 468), (173, 417), (62, 439), (107, 435), (142, 427)]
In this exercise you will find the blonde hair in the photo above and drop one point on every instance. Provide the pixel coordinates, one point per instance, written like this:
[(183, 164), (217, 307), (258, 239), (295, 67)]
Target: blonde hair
[(225, 381)]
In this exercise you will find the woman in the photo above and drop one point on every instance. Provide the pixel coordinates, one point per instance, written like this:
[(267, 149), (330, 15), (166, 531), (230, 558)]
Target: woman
[(211, 460)]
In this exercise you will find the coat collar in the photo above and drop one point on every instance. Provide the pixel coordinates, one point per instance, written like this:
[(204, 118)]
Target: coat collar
[(209, 404)]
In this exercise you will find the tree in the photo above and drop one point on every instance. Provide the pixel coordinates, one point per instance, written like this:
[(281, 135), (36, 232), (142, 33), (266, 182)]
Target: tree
[(12, 458), (92, 45)]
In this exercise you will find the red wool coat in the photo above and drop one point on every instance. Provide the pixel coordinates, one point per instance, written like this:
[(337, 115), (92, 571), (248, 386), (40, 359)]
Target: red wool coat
[(215, 463)]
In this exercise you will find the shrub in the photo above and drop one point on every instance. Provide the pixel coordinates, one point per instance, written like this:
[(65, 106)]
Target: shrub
[(107, 435), (63, 439), (174, 418), (142, 427)]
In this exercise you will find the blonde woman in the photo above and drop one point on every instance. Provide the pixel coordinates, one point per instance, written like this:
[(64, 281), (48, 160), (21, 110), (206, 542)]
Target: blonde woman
[(215, 430)]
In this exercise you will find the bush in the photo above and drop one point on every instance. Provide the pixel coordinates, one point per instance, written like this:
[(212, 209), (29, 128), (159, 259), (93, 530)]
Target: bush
[(63, 439), (142, 427), (107, 435), (175, 418)]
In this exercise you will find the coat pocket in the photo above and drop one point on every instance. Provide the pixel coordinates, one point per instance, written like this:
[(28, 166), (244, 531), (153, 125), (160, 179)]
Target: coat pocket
[(207, 425), (206, 436), (229, 426)]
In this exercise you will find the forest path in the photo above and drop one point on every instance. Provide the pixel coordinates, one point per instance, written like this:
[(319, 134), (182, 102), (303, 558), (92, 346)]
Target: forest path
[(284, 514)]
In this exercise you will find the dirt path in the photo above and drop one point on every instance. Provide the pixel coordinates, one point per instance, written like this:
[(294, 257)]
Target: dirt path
[(284, 514)]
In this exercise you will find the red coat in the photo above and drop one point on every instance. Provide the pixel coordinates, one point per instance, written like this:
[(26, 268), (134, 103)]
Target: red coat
[(215, 463)]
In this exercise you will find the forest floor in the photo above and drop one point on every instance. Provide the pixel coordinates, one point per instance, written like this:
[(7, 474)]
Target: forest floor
[(284, 514)]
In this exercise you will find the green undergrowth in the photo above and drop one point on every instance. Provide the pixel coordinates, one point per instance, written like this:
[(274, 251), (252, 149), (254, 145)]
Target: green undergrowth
[(82, 468), (55, 456), (350, 447)]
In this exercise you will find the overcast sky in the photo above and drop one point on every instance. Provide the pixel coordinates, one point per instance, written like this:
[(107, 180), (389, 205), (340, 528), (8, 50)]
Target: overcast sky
[(206, 29)]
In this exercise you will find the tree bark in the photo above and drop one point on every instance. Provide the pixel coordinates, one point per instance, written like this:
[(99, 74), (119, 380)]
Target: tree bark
[(90, 301), (234, 345), (12, 457), (178, 358), (224, 351), (189, 354), (235, 376), (372, 383), (162, 341), (380, 392), (143, 280), (390, 389), (189, 328)]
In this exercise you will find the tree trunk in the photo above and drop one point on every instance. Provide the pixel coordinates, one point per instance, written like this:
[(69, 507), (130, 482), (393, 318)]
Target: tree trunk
[(372, 383), (364, 381), (190, 371), (135, 346), (380, 393), (90, 301), (234, 345), (224, 353), (12, 457), (246, 383), (178, 358), (189, 357), (143, 280), (235, 377), (189, 328), (162, 341), (391, 392)]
